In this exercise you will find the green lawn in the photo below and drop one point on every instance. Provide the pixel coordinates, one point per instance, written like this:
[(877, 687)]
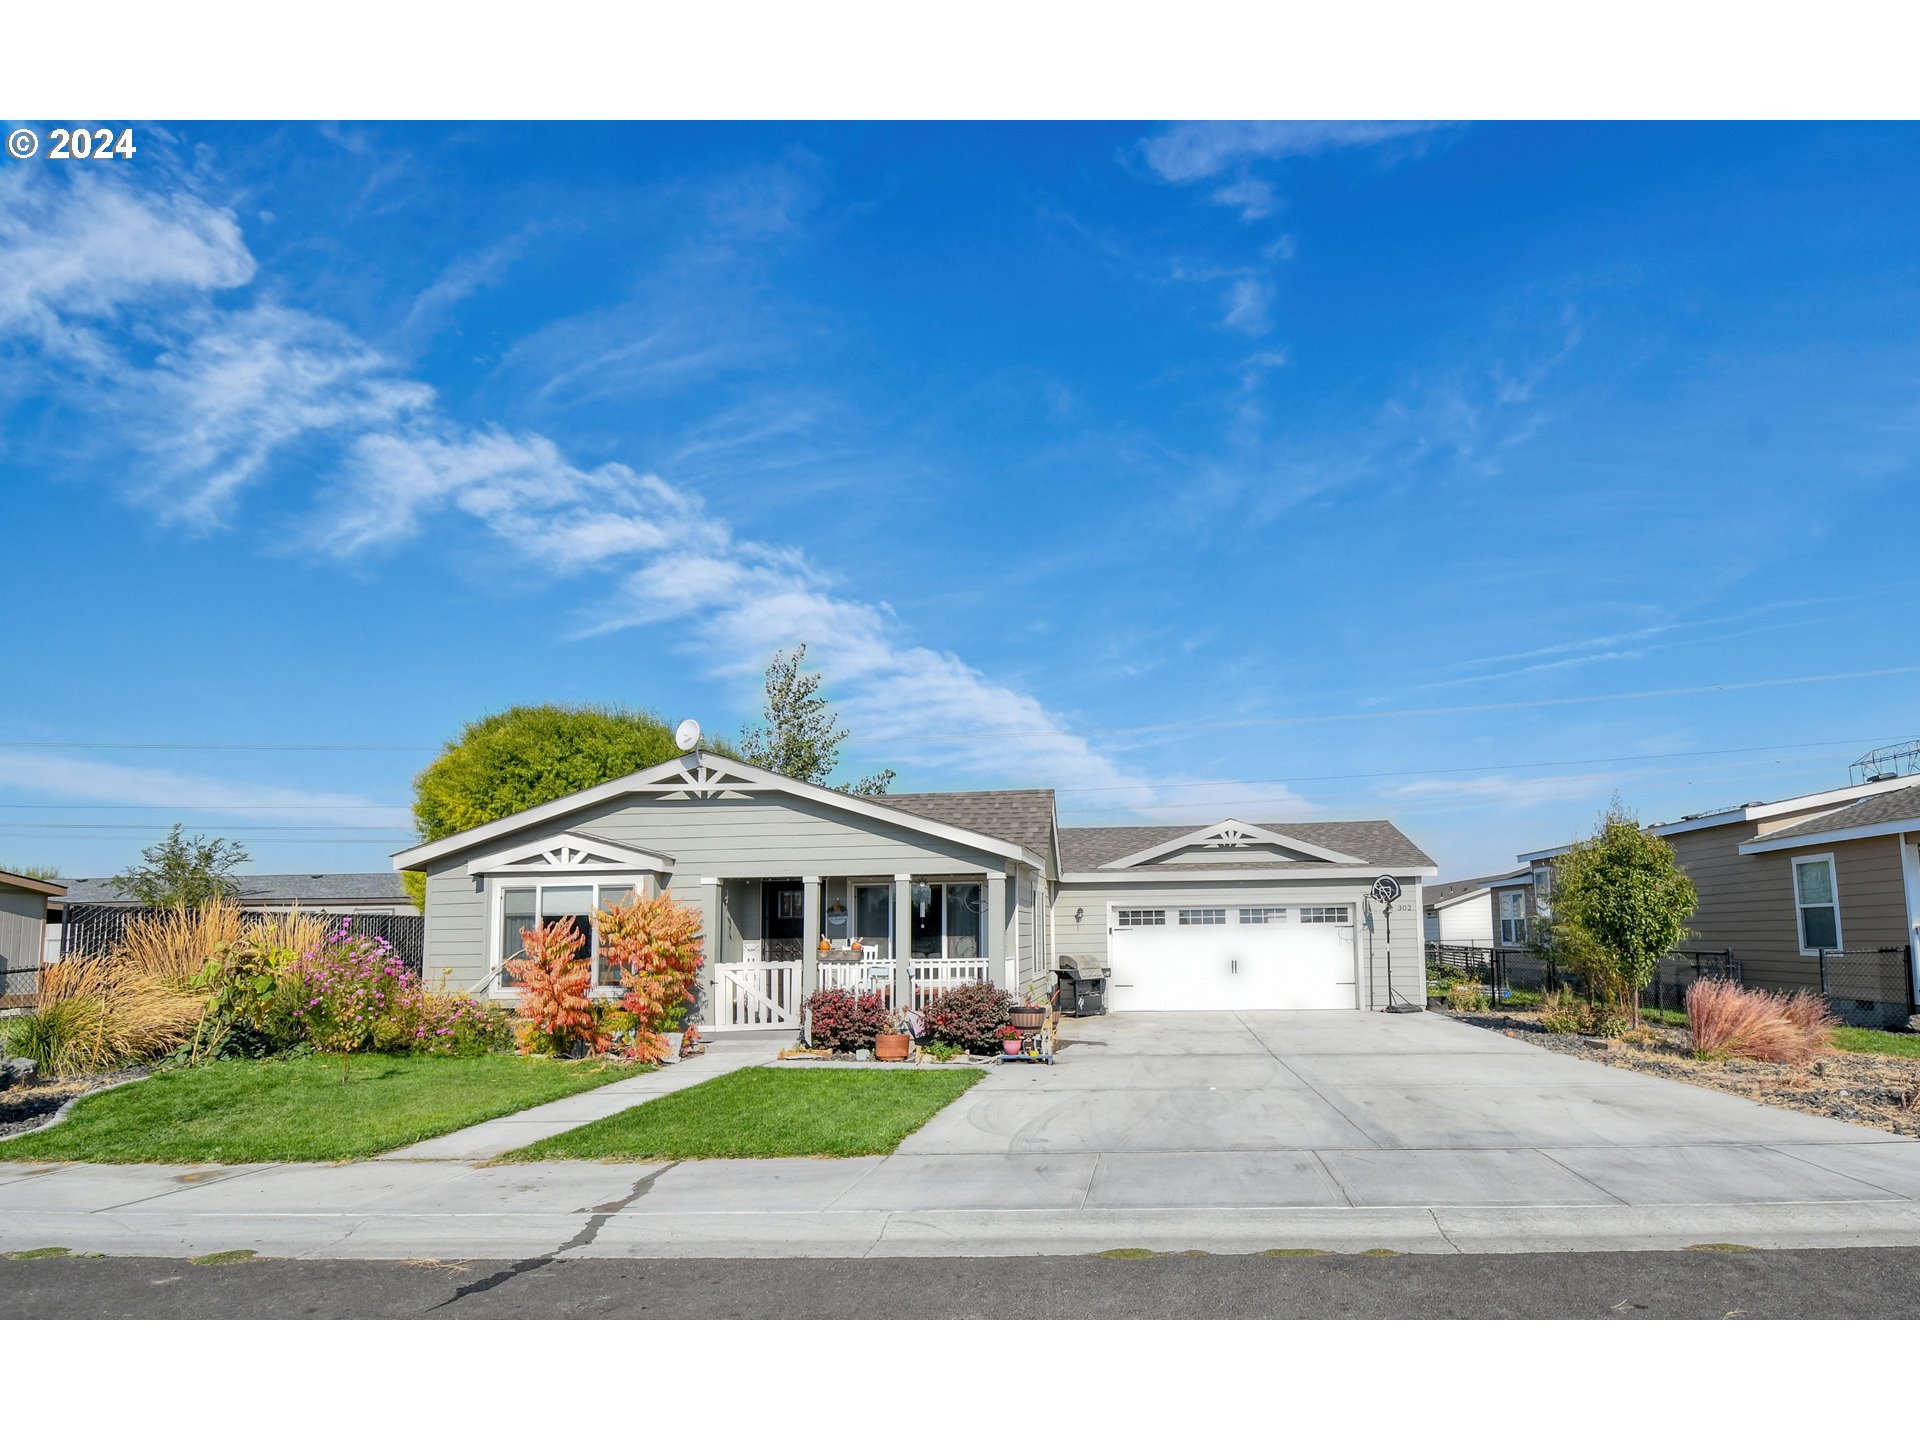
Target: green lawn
[(761, 1113), (297, 1109), (1877, 1042)]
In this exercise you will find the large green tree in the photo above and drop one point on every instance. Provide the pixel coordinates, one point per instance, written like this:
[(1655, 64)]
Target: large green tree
[(801, 734), (1620, 903), (183, 871), (529, 755)]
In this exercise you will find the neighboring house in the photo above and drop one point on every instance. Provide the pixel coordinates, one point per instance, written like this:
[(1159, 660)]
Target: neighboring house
[(1461, 912), (920, 892), (24, 903), (356, 893), (1815, 892)]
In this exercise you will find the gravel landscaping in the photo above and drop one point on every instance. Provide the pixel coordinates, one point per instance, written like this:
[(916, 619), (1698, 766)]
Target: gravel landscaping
[(28, 1107), (1860, 1089)]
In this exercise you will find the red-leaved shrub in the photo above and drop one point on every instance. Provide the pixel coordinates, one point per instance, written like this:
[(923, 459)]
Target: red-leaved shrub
[(1729, 1022), (968, 1016), (845, 1021), (554, 977)]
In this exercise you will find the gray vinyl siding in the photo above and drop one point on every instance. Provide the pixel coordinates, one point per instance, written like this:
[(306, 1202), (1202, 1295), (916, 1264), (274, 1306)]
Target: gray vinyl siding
[(1746, 902), (1405, 980), (764, 836), (23, 918)]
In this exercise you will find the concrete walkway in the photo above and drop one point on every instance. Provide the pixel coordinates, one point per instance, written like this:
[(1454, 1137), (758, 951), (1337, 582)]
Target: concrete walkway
[(1229, 1134), (493, 1138)]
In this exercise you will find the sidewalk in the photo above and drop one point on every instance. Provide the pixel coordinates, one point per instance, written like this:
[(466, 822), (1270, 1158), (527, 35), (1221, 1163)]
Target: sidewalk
[(493, 1138)]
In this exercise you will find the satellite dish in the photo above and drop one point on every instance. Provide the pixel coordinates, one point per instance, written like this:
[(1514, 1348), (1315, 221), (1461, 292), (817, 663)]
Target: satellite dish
[(687, 737)]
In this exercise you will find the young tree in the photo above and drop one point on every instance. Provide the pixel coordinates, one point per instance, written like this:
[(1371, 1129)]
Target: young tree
[(800, 737), (656, 944), (1620, 902), (182, 871), (526, 756)]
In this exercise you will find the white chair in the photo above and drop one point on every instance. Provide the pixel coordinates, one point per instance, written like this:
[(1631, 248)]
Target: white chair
[(869, 952), (750, 952)]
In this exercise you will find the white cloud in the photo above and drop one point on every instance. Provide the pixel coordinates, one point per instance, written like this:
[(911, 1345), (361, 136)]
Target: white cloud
[(234, 388), (1247, 302), (97, 780), (1196, 150), (1254, 199)]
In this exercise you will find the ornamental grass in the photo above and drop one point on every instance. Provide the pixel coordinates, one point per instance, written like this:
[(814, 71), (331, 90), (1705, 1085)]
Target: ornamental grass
[(1727, 1021)]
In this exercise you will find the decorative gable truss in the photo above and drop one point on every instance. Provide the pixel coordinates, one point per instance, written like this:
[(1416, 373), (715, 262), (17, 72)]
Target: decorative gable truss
[(1227, 837), (586, 854), (703, 777)]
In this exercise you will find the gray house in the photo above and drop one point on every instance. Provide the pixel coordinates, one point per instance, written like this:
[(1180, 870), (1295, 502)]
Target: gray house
[(801, 886), (24, 903)]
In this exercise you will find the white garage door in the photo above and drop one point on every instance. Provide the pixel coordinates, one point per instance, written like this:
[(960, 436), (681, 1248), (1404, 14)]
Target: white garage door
[(1231, 956)]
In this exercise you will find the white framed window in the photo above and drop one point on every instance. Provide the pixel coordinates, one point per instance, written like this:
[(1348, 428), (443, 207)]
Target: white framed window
[(1263, 914), (1816, 901), (522, 902), (1133, 919), (1203, 917), (1543, 890), (1513, 918), (947, 920), (1326, 914)]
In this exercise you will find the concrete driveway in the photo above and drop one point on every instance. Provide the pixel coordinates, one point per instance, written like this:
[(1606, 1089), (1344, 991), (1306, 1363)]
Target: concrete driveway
[(1341, 1108)]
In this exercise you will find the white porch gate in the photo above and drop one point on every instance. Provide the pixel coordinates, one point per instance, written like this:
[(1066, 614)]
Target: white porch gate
[(757, 995)]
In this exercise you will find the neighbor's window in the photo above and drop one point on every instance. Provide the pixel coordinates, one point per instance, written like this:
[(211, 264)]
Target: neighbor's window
[(1543, 890), (1132, 919), (1203, 917), (1263, 915), (524, 906), (1818, 903), (1513, 918), (1326, 915)]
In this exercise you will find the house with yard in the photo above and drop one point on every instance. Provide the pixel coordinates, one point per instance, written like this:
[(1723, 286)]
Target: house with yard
[(1461, 912), (1817, 892), (24, 903), (800, 886), (367, 892)]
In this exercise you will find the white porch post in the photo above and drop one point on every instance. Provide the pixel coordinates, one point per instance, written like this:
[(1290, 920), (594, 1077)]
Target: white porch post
[(999, 959), (903, 940), (810, 937), (715, 943)]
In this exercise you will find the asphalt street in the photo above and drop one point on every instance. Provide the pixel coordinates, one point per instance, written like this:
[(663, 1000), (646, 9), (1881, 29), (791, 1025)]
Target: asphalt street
[(1756, 1285)]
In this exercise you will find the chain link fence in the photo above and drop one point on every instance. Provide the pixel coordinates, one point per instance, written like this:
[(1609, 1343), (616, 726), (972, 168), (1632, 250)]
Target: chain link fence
[(1513, 978), (1869, 987), (97, 929)]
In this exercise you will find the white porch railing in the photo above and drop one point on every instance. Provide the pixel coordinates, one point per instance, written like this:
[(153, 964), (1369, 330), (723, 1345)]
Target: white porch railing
[(756, 996), (876, 977)]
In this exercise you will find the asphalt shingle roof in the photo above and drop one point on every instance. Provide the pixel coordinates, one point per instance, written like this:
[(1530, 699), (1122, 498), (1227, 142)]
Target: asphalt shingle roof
[(1447, 889), (1901, 804), (1374, 842), (1022, 817), (307, 889)]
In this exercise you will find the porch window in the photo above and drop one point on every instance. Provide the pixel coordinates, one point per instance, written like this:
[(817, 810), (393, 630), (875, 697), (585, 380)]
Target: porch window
[(948, 921), (524, 906), (873, 916), (1817, 899)]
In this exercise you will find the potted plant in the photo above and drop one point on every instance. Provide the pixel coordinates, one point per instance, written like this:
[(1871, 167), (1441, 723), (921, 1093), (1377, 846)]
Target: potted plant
[(892, 1043), (672, 1035), (1012, 1038)]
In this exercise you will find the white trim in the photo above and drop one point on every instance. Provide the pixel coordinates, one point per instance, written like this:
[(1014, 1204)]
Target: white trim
[(1910, 880), (702, 775), (1833, 883), (497, 885), (1251, 877), (1766, 843), (1461, 898), (1230, 834), (568, 853)]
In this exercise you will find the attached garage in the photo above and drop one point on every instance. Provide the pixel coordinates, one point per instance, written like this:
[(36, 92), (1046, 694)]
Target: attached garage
[(1243, 953), (1240, 916)]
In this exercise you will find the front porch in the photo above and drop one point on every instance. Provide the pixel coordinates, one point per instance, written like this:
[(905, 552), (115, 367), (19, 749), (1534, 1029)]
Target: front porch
[(904, 937)]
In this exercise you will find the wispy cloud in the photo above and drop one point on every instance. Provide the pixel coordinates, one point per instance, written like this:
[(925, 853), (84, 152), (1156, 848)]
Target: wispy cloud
[(1198, 150), (132, 785), (1247, 303), (234, 389), (467, 276), (1254, 199)]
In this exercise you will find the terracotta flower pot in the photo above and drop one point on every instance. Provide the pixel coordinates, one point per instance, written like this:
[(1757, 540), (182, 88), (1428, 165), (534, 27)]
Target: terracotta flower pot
[(890, 1047)]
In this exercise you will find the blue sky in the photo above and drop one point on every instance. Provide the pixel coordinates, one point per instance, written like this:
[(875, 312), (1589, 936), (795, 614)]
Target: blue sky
[(1244, 470)]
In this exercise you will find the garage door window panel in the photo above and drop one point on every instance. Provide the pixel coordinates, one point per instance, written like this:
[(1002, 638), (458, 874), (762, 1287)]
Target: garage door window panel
[(1326, 915), (1203, 917)]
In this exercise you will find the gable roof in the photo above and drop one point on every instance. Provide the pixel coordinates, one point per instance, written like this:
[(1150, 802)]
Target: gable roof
[(699, 775), (1376, 844), (1890, 813), (1232, 835), (12, 881), (307, 889), (1023, 817), (1451, 890)]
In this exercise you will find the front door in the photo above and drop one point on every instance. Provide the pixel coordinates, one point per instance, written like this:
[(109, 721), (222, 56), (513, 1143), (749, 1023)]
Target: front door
[(782, 918)]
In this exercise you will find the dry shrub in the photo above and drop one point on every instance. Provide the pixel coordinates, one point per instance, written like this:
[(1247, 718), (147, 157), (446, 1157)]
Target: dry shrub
[(112, 1013), (177, 943), (1729, 1022)]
